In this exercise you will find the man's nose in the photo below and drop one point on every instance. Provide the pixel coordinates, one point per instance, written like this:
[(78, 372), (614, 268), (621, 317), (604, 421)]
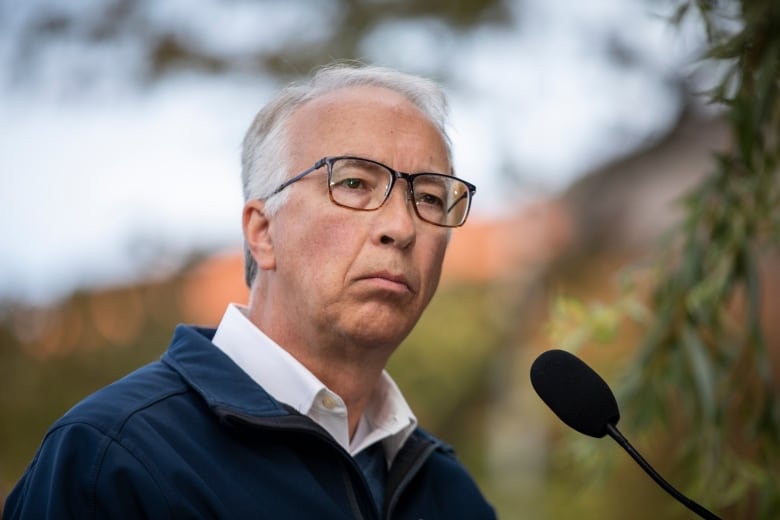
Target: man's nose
[(398, 222)]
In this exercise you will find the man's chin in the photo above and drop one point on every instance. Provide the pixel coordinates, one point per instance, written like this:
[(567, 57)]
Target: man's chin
[(383, 326)]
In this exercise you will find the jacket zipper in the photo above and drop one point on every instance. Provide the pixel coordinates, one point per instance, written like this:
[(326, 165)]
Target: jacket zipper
[(408, 475)]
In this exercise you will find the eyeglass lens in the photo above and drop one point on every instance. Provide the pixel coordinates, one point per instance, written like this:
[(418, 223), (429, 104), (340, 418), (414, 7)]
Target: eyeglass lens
[(362, 184)]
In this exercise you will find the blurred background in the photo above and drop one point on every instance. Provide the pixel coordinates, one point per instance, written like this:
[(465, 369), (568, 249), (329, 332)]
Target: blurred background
[(583, 126)]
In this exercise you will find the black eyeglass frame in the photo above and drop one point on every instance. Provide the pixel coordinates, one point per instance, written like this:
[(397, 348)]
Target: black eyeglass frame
[(409, 177)]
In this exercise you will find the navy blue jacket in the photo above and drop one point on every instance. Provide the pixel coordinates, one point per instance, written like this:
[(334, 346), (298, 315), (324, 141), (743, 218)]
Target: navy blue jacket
[(192, 436)]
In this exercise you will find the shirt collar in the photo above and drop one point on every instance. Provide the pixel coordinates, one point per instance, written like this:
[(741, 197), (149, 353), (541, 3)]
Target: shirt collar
[(387, 417)]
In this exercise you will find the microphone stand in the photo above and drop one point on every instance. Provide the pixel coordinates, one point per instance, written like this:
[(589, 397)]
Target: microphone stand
[(687, 502)]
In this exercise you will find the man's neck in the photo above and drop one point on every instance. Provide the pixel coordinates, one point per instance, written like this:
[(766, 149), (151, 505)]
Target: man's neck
[(350, 371), (352, 377)]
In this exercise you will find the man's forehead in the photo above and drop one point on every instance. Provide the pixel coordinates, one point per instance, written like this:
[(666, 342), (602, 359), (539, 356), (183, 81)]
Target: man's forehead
[(369, 121)]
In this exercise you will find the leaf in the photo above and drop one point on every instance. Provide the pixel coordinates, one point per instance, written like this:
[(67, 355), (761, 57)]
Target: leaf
[(703, 373)]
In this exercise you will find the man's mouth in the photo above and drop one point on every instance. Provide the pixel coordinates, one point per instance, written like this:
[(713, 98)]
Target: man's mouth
[(393, 282)]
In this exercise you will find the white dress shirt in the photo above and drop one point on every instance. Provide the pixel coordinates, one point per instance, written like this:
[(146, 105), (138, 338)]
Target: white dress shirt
[(387, 417)]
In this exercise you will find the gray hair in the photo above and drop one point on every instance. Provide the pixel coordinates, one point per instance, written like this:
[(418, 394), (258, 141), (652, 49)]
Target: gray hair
[(265, 150)]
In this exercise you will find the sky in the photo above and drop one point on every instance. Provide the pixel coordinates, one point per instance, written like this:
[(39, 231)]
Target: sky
[(105, 185)]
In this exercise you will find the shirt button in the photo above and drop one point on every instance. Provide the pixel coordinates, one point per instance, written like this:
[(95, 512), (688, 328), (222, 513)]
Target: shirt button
[(328, 402)]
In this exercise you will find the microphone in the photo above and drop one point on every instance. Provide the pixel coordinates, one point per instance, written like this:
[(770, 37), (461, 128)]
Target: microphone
[(584, 401)]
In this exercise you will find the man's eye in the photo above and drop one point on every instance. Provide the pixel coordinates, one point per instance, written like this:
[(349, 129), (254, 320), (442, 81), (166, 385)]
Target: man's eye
[(430, 200), (352, 183)]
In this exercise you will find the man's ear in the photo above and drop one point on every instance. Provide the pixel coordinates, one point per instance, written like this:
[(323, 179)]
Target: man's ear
[(257, 234)]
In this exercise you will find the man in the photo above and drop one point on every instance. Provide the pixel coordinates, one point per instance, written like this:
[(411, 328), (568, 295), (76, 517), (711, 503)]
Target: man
[(285, 411)]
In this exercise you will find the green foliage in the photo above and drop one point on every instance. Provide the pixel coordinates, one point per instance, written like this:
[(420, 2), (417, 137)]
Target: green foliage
[(704, 369), (701, 381), (574, 323)]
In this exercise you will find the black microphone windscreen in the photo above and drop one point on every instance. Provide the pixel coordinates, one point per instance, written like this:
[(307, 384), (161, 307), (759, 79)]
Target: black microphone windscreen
[(575, 392)]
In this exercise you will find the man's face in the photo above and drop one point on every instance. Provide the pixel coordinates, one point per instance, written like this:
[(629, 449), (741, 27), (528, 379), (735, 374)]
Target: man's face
[(357, 276)]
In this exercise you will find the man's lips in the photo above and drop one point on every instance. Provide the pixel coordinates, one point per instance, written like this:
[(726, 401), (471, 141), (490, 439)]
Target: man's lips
[(392, 281)]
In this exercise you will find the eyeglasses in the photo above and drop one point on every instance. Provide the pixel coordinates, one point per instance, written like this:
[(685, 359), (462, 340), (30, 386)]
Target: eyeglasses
[(365, 185)]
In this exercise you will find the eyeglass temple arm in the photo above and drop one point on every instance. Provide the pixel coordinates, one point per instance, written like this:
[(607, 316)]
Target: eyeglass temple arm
[(452, 206), (319, 164)]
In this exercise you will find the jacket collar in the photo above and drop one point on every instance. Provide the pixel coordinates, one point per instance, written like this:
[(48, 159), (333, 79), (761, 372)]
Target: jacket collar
[(213, 375)]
